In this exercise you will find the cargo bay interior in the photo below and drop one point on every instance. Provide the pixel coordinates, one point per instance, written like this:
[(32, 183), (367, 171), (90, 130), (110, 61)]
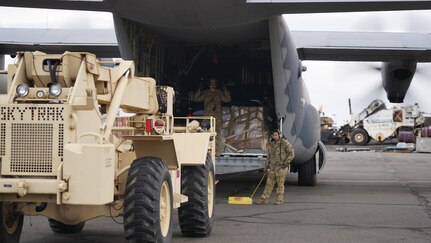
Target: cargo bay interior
[(244, 69)]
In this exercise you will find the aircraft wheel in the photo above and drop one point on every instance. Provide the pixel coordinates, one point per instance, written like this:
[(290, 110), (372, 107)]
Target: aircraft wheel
[(61, 228), (307, 173), (196, 216), (359, 137), (148, 202), (11, 223)]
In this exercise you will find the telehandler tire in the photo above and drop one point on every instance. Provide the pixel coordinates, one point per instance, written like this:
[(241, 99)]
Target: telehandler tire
[(11, 223), (307, 173), (61, 228), (196, 216), (359, 137), (148, 202)]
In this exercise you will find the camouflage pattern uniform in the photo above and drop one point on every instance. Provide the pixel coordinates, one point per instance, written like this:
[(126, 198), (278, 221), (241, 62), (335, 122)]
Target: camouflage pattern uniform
[(280, 154), (212, 102)]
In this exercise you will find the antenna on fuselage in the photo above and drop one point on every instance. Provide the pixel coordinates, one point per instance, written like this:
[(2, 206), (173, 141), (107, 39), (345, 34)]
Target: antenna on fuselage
[(280, 123)]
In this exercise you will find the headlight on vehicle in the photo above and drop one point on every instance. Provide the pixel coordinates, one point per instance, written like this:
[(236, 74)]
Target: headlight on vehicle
[(55, 90), (22, 90)]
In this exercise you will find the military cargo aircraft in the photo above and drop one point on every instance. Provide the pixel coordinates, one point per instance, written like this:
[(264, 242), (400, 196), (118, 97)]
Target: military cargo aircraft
[(248, 44)]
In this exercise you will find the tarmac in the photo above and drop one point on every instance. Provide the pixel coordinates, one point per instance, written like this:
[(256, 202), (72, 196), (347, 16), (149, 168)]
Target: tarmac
[(370, 196)]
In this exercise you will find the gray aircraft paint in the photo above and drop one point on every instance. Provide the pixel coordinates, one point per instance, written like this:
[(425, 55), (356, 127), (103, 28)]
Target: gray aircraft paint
[(122, 38), (291, 96), (301, 124)]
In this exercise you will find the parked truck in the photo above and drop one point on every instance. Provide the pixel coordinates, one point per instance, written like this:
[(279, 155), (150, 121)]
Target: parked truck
[(379, 123), (60, 158), (329, 134)]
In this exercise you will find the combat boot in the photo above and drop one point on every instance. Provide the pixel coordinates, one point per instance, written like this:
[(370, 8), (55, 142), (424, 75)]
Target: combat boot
[(279, 199), (261, 201)]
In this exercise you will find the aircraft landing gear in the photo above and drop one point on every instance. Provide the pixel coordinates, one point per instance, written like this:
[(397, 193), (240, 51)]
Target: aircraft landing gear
[(307, 173)]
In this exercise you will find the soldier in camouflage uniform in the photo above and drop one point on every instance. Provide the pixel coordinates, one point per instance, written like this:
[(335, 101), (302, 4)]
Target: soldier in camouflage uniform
[(212, 99), (280, 154)]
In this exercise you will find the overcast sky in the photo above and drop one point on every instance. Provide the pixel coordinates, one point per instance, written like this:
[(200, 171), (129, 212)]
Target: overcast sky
[(330, 83)]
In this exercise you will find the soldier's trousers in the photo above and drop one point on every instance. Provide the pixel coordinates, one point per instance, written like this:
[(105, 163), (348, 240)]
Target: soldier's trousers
[(274, 176)]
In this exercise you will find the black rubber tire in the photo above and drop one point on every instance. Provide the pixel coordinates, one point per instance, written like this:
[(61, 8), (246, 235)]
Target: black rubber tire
[(142, 223), (307, 174), (359, 133), (195, 217), (61, 228), (10, 237)]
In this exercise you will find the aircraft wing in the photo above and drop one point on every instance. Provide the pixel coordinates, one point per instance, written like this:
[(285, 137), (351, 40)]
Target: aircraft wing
[(321, 6), (362, 46), (311, 45), (87, 5), (271, 6), (101, 42)]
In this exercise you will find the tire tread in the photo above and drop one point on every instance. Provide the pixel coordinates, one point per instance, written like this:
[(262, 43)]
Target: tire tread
[(141, 200), (193, 215), (307, 173), (61, 228)]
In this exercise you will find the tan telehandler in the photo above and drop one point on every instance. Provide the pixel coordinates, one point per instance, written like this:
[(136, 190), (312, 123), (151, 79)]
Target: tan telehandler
[(60, 158)]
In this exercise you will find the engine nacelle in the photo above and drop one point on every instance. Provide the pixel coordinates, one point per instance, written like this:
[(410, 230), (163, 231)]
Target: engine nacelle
[(396, 78)]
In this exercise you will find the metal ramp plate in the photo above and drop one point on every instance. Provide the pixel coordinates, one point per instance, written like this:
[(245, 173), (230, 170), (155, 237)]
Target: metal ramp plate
[(229, 163)]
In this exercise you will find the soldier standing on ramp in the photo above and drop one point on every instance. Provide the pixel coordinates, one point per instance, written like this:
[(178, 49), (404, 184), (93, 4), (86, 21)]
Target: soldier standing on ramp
[(280, 154), (212, 99)]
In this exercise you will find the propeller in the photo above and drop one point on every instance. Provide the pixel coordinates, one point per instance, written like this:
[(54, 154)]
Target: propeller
[(399, 21), (419, 91), (362, 83)]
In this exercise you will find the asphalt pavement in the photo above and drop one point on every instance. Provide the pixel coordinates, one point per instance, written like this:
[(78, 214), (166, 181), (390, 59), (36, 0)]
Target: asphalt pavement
[(360, 197)]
